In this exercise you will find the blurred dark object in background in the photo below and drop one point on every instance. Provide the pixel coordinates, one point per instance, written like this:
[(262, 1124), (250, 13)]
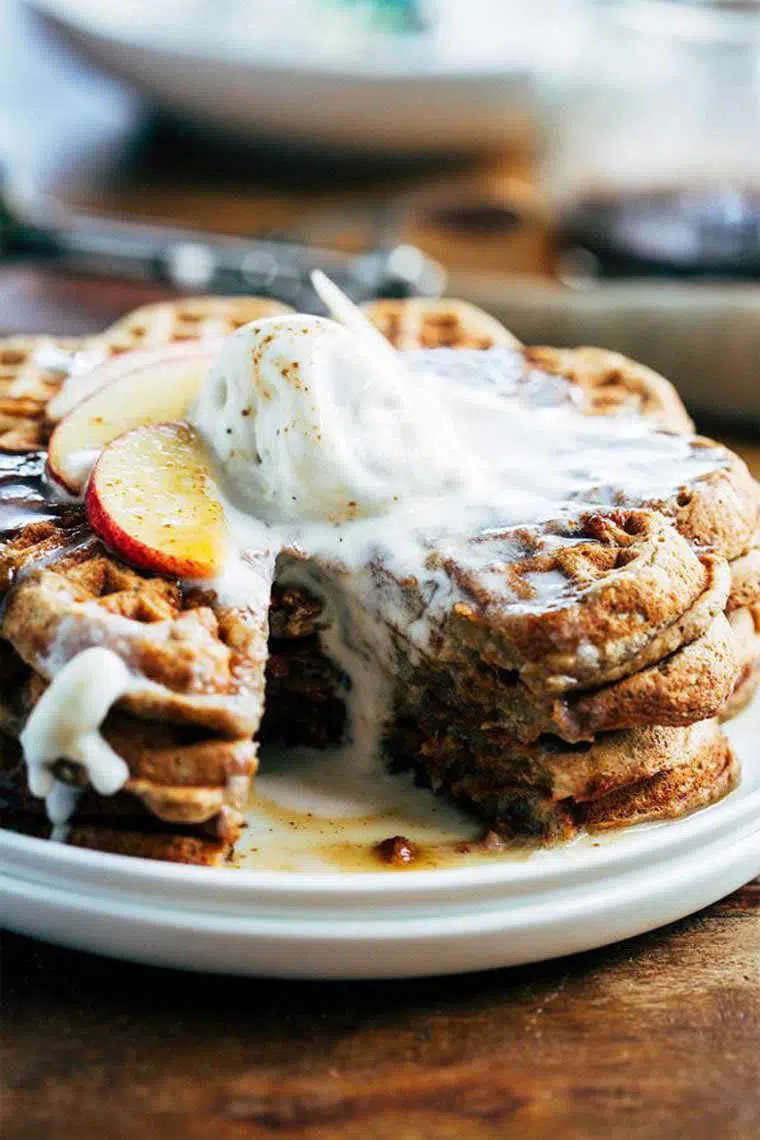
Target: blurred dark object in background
[(653, 163), (36, 228), (694, 233)]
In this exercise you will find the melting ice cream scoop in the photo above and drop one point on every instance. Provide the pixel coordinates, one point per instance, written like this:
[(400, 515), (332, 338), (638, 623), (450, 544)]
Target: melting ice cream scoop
[(313, 421), (65, 723)]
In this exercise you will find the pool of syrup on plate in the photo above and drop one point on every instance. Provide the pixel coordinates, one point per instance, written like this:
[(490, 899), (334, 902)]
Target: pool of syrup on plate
[(297, 822)]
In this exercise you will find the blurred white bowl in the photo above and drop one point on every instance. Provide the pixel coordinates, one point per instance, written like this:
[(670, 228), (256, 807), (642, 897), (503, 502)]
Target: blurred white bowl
[(301, 70)]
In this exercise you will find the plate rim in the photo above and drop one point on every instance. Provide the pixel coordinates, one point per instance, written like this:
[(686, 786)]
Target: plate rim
[(669, 836), (386, 924), (375, 945), (586, 899)]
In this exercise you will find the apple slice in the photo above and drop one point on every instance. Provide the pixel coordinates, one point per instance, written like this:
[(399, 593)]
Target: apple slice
[(153, 500), (137, 388)]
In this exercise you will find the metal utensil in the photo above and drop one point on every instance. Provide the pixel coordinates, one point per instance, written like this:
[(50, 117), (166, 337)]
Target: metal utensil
[(36, 228)]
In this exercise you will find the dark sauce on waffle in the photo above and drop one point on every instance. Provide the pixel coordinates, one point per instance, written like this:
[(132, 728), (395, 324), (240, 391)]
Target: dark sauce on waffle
[(26, 495), (681, 232)]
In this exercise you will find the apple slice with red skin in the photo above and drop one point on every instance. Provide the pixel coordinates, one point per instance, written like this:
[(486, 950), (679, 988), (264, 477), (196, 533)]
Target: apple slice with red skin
[(153, 500), (137, 388)]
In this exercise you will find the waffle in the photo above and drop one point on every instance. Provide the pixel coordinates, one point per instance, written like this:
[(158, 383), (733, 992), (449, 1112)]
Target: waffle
[(551, 790), (422, 323), (186, 730), (745, 626), (564, 610), (305, 696), (194, 661), (718, 510), (708, 772), (613, 384), (119, 824), (695, 681), (196, 318), (180, 772), (32, 369), (609, 383), (745, 578), (572, 678)]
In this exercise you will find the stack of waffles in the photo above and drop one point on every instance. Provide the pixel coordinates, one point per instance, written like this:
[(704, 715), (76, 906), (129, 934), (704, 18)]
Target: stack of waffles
[(187, 734), (576, 679), (581, 675)]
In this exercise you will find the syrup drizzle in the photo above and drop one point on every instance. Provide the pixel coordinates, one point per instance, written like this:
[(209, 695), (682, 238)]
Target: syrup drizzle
[(27, 496)]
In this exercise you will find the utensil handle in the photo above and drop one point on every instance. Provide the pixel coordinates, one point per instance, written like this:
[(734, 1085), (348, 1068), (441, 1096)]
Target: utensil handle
[(192, 260)]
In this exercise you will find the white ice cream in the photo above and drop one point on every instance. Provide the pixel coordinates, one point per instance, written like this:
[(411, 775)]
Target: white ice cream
[(311, 421), (65, 724)]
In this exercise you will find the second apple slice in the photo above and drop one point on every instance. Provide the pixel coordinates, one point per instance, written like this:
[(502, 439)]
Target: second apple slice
[(153, 500), (138, 388)]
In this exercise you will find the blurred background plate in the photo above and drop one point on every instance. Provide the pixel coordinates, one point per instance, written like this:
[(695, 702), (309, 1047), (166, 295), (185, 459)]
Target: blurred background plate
[(92, 143), (390, 75)]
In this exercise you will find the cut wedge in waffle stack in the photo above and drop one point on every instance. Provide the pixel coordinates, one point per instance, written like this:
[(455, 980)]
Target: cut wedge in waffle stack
[(186, 727), (572, 674)]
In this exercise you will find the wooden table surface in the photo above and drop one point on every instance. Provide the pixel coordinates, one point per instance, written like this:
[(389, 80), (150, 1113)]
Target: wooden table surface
[(658, 1037)]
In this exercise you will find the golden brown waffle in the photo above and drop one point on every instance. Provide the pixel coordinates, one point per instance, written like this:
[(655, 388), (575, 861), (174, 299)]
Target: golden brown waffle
[(613, 384), (745, 626), (194, 661), (201, 668), (183, 777), (191, 849), (39, 543), (421, 323), (609, 383), (180, 774), (195, 318), (721, 510), (550, 790), (582, 603), (744, 692), (33, 368), (745, 578), (597, 639), (118, 824), (608, 625), (706, 776), (695, 682)]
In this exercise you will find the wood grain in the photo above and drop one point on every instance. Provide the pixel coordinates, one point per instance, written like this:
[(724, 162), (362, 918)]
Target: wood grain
[(657, 1037)]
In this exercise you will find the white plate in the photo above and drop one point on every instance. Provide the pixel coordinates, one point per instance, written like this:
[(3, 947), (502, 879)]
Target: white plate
[(257, 69), (394, 923)]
